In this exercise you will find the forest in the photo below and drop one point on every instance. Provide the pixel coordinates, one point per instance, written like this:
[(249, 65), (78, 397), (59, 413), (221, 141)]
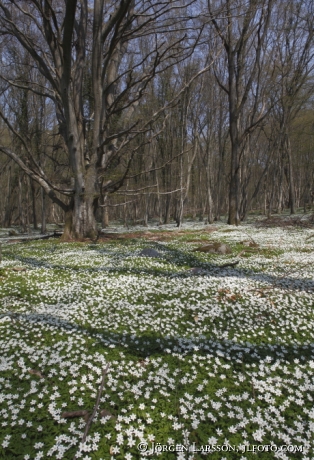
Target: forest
[(154, 110), (192, 337)]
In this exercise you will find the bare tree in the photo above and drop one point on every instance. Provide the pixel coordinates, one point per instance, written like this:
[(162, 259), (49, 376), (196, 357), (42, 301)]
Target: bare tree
[(76, 41), (294, 64), (242, 28)]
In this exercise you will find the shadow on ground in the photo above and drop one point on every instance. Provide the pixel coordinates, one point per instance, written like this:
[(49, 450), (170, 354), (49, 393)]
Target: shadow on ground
[(180, 259)]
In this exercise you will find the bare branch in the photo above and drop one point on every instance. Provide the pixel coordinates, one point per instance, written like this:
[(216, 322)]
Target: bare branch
[(40, 180), (90, 420)]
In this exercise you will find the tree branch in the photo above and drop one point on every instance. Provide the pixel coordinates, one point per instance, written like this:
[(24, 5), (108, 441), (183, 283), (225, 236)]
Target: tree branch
[(90, 420)]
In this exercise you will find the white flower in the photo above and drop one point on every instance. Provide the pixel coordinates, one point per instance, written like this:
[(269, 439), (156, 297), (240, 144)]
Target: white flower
[(131, 442), (176, 426), (195, 424), (120, 439), (258, 435), (212, 440)]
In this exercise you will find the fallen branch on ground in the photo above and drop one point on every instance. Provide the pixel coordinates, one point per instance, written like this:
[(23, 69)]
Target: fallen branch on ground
[(91, 418)]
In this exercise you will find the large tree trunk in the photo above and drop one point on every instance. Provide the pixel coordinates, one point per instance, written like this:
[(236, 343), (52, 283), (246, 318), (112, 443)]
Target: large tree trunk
[(80, 220)]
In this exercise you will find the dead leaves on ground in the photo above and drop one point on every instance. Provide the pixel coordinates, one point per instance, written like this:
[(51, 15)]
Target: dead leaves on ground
[(76, 413), (226, 295)]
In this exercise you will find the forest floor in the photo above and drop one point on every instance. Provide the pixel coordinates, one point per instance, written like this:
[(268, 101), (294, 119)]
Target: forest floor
[(107, 354)]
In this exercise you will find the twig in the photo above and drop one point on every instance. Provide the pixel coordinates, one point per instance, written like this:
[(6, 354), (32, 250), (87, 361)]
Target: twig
[(90, 420)]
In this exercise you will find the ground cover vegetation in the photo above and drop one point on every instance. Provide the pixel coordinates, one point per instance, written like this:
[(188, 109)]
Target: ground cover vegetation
[(161, 109), (214, 356)]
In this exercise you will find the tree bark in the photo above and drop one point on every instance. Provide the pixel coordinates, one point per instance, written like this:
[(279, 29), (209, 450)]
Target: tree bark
[(8, 201), (291, 175), (43, 212), (33, 191), (80, 221)]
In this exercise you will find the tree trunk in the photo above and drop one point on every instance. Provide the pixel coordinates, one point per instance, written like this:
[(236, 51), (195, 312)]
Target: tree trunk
[(80, 219), (280, 205), (209, 196), (105, 212), (43, 212), (27, 217), (20, 205), (291, 177), (167, 208), (234, 122), (234, 187), (33, 190), (146, 210), (8, 202)]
